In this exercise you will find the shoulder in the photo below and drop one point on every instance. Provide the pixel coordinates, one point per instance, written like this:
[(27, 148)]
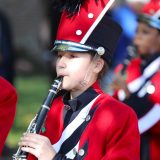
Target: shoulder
[(112, 106), (115, 115)]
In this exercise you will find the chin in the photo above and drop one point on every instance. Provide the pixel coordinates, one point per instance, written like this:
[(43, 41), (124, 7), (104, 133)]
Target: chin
[(143, 55), (66, 86)]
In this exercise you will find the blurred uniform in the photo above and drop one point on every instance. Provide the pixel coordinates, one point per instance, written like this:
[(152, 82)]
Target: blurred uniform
[(8, 99), (142, 77)]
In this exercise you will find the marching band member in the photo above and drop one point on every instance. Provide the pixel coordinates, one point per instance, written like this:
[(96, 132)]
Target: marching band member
[(8, 99), (139, 87), (84, 122)]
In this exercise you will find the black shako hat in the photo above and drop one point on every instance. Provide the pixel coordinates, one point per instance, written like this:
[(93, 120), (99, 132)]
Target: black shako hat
[(88, 29)]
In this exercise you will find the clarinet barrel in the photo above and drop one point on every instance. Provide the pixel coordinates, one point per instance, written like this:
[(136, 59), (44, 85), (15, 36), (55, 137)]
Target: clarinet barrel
[(37, 123)]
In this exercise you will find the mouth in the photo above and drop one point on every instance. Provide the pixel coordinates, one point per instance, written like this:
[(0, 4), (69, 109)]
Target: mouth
[(60, 75)]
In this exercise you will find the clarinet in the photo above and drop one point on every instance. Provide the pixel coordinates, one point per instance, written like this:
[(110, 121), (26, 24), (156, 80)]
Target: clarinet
[(38, 121)]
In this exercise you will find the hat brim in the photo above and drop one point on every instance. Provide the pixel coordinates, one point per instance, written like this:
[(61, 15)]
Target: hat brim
[(68, 46), (151, 21)]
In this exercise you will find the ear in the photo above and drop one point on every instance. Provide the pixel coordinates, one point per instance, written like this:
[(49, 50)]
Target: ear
[(99, 65)]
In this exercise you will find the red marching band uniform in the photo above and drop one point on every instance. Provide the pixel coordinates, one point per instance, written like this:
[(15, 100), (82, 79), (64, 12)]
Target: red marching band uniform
[(101, 139), (104, 128), (144, 87), (8, 99)]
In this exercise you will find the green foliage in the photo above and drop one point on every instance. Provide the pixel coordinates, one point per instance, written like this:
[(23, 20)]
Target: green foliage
[(31, 93)]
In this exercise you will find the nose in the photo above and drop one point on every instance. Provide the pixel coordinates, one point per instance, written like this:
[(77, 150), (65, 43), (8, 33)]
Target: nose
[(61, 62), (136, 40)]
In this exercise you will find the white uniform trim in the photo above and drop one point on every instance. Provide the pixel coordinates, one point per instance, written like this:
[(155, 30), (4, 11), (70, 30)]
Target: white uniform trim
[(134, 1), (69, 130), (71, 153), (101, 15), (150, 119), (143, 91), (148, 72), (121, 95), (135, 85), (157, 14)]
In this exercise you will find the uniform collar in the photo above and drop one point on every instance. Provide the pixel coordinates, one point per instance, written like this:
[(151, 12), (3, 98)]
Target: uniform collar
[(83, 99), (148, 61)]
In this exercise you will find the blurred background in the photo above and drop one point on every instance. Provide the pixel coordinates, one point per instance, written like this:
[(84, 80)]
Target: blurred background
[(27, 33)]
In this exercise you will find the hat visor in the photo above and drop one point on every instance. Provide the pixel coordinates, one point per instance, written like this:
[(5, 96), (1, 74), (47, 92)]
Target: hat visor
[(68, 46)]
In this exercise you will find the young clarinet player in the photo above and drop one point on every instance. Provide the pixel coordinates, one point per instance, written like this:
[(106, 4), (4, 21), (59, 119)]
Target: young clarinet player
[(84, 122)]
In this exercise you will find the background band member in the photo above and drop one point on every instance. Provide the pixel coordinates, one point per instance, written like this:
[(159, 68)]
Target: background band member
[(8, 100), (140, 87)]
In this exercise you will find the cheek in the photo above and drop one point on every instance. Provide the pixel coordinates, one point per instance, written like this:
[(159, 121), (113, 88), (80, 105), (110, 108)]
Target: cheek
[(145, 45), (150, 44), (56, 65), (79, 67), (77, 72)]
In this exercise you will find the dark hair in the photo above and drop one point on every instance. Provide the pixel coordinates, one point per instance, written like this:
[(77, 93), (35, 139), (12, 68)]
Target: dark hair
[(104, 69)]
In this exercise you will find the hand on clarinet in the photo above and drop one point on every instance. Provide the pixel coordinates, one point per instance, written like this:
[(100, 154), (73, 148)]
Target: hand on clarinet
[(38, 145)]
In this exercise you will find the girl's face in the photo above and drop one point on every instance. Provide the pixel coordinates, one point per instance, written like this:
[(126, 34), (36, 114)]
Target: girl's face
[(147, 40), (74, 67)]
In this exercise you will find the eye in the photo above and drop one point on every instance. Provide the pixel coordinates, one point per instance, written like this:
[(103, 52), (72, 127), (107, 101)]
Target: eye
[(145, 31), (59, 55), (73, 56)]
